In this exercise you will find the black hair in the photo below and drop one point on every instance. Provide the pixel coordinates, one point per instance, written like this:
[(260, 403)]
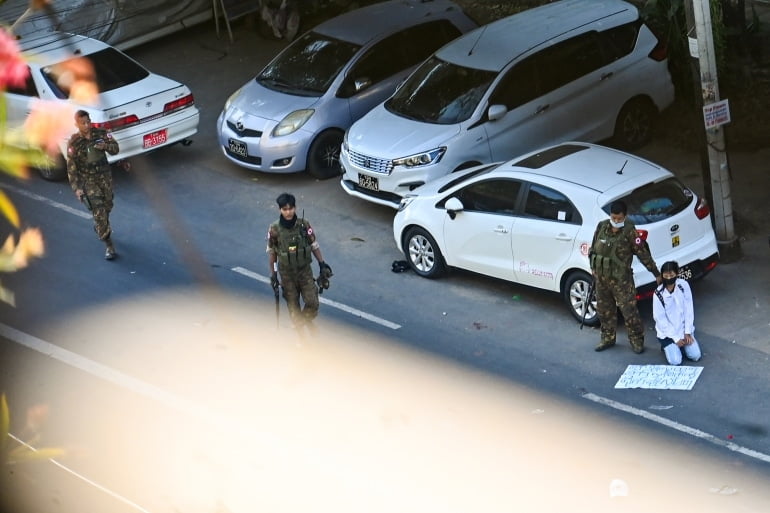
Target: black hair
[(669, 266), (286, 199), (618, 207), (82, 114)]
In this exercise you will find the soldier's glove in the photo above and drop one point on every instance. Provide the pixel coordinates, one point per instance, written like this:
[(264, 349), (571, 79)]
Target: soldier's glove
[(274, 281), (325, 270), (323, 277)]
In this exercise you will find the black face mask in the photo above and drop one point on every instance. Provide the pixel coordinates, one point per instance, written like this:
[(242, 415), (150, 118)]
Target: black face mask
[(669, 281), (287, 224)]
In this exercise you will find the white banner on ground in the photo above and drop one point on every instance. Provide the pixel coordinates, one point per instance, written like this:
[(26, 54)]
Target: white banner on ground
[(666, 377)]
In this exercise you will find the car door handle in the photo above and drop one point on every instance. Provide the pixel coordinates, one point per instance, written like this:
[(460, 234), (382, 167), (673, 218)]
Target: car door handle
[(542, 108), (564, 237), (606, 76), (501, 229)]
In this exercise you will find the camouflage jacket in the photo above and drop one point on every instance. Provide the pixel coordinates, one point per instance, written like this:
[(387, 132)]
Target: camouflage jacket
[(83, 160), (612, 252)]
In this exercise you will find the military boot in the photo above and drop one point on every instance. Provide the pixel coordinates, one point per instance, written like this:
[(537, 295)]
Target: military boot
[(110, 253), (604, 344)]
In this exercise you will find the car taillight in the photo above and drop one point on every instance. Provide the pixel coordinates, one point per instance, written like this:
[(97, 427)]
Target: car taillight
[(660, 52), (642, 234), (702, 209), (641, 296), (117, 124), (181, 103)]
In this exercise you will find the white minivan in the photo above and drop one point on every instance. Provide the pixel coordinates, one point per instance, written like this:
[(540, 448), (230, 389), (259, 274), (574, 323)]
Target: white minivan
[(568, 70)]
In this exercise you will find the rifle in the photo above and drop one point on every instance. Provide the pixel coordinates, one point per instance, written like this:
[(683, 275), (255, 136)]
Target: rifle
[(587, 301), (277, 299)]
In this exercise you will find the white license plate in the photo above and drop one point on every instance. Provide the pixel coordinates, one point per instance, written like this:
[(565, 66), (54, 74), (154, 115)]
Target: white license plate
[(155, 138), (369, 182), (237, 147)]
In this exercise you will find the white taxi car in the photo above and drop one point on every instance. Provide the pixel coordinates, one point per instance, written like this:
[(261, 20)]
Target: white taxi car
[(531, 220), (145, 111)]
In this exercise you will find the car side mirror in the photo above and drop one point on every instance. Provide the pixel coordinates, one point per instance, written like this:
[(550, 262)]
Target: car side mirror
[(496, 112), (362, 83), (453, 206)]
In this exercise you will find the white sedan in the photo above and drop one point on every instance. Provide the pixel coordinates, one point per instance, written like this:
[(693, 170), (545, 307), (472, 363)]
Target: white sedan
[(145, 111), (531, 220)]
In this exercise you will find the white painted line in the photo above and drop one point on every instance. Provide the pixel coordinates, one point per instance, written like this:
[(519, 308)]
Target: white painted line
[(270, 445), (108, 374), (85, 479), (333, 304), (98, 370), (679, 427), (240, 270), (43, 199)]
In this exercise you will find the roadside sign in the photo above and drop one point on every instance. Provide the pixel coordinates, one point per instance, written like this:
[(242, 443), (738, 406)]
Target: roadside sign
[(716, 114)]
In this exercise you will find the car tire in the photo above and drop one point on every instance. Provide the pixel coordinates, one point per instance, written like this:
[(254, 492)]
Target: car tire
[(575, 290), (54, 172), (635, 123), (423, 254), (323, 158)]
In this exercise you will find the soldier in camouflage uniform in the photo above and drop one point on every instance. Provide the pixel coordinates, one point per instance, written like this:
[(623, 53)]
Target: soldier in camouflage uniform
[(614, 245), (291, 244), (90, 175)]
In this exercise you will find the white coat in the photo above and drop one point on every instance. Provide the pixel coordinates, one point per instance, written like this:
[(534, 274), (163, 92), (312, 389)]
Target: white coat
[(674, 317)]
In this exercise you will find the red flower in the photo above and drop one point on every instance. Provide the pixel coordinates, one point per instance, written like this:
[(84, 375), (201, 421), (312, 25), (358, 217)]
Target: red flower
[(13, 69)]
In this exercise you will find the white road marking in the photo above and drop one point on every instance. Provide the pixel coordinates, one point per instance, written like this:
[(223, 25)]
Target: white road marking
[(133, 384), (334, 304), (43, 199), (85, 479), (679, 427), (95, 369), (240, 270)]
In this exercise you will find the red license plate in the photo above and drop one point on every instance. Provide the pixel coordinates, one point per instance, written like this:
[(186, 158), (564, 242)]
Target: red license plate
[(155, 138)]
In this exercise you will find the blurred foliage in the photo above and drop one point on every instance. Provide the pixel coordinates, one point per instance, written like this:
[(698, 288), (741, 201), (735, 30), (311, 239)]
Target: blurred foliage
[(15, 453), (17, 155)]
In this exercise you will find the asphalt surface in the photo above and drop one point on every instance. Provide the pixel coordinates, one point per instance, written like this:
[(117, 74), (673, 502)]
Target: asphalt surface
[(734, 330)]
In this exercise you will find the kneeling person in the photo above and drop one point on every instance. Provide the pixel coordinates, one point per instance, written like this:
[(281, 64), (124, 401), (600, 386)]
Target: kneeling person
[(672, 309)]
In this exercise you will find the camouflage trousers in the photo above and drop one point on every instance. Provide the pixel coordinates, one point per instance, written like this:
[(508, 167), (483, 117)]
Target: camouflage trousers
[(98, 190), (613, 294), (300, 283)]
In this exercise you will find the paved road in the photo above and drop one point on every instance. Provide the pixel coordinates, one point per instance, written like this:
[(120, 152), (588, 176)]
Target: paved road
[(181, 322)]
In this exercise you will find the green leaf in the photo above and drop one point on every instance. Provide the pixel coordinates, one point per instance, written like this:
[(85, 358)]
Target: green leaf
[(23, 454), (5, 423)]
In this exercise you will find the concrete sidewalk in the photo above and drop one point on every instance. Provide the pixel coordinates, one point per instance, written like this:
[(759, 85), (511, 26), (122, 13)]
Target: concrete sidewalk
[(741, 289)]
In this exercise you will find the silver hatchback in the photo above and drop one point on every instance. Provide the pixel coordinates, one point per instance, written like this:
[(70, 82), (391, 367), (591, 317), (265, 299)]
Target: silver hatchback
[(292, 116)]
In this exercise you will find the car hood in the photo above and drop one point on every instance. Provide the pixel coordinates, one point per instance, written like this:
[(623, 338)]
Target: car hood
[(144, 98), (384, 135), (262, 102)]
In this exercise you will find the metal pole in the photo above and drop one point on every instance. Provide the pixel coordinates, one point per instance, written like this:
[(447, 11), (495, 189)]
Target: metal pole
[(728, 243)]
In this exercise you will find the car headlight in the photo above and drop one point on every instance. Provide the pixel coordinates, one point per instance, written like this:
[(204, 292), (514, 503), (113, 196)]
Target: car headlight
[(292, 122), (421, 159), (345, 142), (232, 98)]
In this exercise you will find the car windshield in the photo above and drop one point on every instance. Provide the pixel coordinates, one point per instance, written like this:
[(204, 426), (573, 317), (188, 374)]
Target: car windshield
[(308, 66), (112, 69), (440, 92), (656, 201)]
